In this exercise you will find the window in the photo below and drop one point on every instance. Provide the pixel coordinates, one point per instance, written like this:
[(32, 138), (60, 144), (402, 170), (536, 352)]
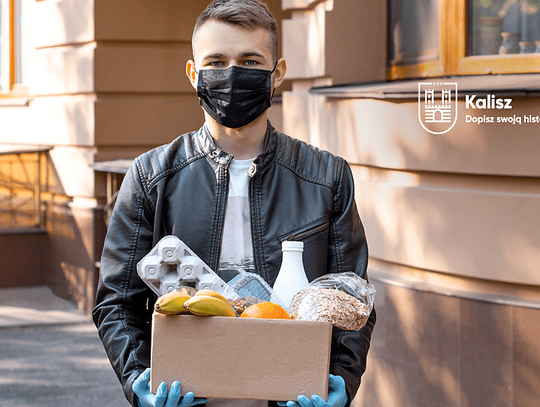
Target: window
[(14, 45), (504, 27), (462, 37), (414, 34)]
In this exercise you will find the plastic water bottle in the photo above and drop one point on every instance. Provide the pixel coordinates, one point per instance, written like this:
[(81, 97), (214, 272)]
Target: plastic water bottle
[(292, 276)]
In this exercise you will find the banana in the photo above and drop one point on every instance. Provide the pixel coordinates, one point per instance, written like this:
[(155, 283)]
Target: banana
[(172, 303), (205, 305), (211, 293)]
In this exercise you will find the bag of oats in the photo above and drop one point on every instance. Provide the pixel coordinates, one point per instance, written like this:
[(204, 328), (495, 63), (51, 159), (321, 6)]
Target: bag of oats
[(343, 299)]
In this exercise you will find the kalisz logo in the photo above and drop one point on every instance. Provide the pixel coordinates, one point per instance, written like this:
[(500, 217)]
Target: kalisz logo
[(437, 106)]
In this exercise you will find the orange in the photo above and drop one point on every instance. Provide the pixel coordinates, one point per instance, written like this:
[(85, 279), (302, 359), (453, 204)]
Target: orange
[(267, 310)]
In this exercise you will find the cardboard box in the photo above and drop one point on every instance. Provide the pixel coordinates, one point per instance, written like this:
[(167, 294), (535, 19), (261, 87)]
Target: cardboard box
[(241, 358)]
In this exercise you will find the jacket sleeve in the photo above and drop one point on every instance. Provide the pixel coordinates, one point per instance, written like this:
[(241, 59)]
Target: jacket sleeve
[(120, 314), (348, 252)]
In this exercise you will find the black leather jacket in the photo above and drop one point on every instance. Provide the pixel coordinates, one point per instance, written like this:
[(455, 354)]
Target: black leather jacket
[(181, 189)]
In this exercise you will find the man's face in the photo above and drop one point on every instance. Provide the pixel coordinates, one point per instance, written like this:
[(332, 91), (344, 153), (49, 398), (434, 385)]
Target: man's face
[(220, 45)]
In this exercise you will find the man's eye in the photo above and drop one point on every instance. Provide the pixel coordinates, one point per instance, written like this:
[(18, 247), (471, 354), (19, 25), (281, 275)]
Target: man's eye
[(250, 62), (216, 64)]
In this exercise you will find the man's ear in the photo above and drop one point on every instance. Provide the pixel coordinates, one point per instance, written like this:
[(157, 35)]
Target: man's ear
[(191, 73), (279, 72)]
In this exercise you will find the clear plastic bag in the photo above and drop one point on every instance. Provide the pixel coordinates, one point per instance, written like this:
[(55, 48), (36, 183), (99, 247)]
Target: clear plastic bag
[(344, 299), (250, 288)]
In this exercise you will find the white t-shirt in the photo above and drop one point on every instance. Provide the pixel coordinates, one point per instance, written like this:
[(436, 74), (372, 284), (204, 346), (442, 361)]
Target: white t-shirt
[(236, 245)]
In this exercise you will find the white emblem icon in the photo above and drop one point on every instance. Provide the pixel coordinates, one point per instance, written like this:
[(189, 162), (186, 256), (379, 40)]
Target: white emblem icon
[(437, 106)]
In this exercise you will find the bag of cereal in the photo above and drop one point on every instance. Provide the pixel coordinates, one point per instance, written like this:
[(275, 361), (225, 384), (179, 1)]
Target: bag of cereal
[(343, 299)]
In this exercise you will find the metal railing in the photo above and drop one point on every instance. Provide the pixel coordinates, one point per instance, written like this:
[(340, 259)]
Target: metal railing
[(21, 185)]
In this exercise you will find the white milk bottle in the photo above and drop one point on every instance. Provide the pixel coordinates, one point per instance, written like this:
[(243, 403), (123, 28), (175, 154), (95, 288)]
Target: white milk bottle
[(292, 276)]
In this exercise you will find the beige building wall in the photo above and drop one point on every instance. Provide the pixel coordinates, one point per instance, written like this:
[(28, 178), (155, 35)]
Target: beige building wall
[(107, 82), (144, 98), (60, 114), (452, 220)]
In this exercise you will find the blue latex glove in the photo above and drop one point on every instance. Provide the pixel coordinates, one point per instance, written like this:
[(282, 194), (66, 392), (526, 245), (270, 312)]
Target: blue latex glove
[(141, 387), (337, 396)]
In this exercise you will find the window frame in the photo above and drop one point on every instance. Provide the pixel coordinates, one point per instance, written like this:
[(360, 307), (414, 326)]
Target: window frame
[(453, 58), (7, 36), (10, 87)]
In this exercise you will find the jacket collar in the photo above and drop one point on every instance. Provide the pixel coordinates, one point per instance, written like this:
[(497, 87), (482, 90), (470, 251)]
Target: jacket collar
[(220, 157), (210, 148)]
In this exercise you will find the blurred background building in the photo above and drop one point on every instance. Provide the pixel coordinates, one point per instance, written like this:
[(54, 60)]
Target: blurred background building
[(452, 218)]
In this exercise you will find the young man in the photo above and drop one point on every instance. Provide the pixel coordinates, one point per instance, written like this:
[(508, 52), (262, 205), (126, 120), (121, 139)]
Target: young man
[(232, 191)]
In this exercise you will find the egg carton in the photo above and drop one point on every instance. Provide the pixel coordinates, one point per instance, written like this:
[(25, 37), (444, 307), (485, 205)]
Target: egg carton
[(171, 264)]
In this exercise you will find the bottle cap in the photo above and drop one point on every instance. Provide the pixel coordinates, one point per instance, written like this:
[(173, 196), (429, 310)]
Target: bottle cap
[(292, 246)]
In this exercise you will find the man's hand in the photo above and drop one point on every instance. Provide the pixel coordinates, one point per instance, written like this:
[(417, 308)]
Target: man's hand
[(337, 396), (141, 387)]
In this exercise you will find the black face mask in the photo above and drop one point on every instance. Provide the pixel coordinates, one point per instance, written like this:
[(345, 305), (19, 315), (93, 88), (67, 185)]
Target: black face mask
[(235, 96)]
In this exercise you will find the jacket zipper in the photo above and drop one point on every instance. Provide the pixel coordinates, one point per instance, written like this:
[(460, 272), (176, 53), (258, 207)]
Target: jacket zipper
[(304, 234), (255, 243), (222, 209)]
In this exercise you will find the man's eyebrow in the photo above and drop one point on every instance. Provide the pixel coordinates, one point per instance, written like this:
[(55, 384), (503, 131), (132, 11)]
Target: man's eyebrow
[(251, 54), (247, 54), (217, 55)]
